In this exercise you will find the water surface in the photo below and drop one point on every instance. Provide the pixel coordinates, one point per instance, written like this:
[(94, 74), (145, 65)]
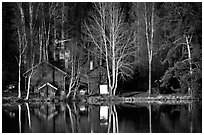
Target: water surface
[(82, 118)]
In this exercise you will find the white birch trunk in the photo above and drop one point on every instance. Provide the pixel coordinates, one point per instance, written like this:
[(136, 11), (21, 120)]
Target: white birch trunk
[(24, 40), (55, 38), (19, 77), (28, 88), (32, 47), (44, 39), (47, 41), (22, 46), (71, 79), (149, 24), (31, 74), (62, 27), (190, 63), (41, 43), (19, 65)]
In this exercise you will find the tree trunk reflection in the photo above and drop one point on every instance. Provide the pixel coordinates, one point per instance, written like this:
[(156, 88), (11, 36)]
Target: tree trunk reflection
[(19, 117), (150, 118), (71, 119), (29, 118), (113, 120)]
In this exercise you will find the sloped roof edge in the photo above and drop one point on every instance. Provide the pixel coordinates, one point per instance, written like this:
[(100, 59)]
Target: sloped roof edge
[(24, 74)]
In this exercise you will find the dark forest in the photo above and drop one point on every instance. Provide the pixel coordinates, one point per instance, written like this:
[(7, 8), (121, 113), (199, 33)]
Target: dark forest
[(149, 47)]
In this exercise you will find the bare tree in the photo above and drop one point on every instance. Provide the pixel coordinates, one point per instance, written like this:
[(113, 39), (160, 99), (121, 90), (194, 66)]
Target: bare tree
[(109, 32), (47, 14), (186, 41), (22, 41), (32, 48), (149, 33), (77, 61), (72, 82)]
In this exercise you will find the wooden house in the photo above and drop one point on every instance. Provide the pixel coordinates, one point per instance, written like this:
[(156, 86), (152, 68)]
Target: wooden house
[(46, 78), (94, 77), (97, 76)]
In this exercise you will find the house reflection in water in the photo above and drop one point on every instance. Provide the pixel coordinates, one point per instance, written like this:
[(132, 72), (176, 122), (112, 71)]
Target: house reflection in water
[(58, 118), (47, 118), (104, 115)]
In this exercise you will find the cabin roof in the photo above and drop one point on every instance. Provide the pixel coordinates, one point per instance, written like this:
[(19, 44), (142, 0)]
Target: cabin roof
[(28, 71)]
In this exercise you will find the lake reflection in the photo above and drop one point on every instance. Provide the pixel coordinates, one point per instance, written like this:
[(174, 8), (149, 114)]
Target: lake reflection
[(82, 118)]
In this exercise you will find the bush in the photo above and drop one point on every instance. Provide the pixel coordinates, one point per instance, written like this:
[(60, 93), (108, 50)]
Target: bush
[(180, 72)]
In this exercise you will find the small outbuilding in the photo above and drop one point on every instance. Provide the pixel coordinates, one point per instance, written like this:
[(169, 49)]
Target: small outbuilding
[(97, 77)]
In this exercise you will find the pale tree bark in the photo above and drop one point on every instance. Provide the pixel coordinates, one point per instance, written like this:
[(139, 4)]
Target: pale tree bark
[(71, 84), (22, 39), (45, 29), (62, 29), (188, 41), (40, 43), (32, 49), (55, 37), (24, 35), (108, 24), (149, 33), (31, 26), (30, 76), (43, 39), (21, 52), (77, 61), (78, 72), (19, 65)]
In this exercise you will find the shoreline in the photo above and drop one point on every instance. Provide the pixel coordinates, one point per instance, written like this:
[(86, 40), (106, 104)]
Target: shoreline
[(104, 99)]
